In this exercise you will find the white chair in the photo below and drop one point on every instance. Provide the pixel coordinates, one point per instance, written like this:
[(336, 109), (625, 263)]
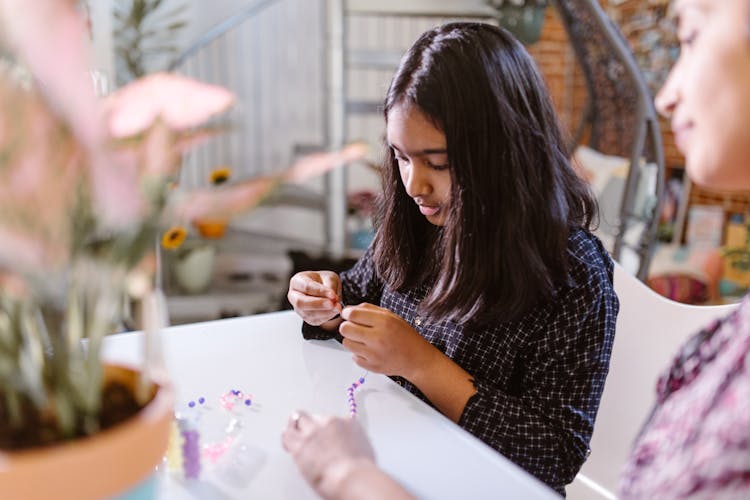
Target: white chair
[(649, 331)]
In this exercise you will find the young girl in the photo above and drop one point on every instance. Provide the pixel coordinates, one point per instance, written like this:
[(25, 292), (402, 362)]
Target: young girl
[(483, 292)]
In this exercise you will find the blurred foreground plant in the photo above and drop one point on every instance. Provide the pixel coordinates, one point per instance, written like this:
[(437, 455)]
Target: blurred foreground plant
[(85, 185)]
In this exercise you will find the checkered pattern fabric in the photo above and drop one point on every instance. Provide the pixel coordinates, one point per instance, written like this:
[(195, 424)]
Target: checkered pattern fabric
[(539, 379)]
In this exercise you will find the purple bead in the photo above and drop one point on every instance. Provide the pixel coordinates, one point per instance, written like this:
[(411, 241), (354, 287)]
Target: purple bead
[(191, 404), (248, 402), (192, 469), (201, 400), (361, 380)]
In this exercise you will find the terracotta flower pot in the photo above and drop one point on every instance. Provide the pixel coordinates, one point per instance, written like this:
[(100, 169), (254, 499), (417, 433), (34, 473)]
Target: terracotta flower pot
[(109, 464)]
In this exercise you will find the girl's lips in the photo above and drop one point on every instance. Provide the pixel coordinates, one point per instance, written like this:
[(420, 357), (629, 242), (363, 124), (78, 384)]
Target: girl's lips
[(428, 210)]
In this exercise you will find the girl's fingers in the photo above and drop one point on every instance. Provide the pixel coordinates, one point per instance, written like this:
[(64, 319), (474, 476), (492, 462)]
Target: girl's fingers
[(308, 286), (332, 281), (363, 362), (355, 332), (309, 303), (361, 314), (356, 348)]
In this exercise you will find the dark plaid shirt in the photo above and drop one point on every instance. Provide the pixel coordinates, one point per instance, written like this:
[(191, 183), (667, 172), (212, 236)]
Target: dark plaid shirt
[(539, 379)]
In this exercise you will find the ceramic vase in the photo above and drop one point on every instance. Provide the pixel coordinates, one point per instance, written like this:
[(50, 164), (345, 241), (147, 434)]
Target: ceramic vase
[(193, 268)]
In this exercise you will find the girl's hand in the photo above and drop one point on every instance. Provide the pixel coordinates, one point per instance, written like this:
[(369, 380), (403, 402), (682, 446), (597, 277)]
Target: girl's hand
[(315, 296), (383, 342)]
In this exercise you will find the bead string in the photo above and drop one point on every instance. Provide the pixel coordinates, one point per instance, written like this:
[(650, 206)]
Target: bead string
[(350, 392)]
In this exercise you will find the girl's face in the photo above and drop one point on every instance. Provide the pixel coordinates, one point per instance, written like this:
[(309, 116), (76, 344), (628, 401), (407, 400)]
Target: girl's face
[(420, 151), (707, 94)]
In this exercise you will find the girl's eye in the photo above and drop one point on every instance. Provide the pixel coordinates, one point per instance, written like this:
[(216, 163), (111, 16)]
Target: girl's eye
[(437, 167), (401, 160)]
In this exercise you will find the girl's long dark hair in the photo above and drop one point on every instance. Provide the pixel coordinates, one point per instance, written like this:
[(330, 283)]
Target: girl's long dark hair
[(515, 197)]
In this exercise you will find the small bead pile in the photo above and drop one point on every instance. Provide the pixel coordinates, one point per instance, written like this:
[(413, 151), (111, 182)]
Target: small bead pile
[(229, 399), (213, 452), (350, 392), (184, 451)]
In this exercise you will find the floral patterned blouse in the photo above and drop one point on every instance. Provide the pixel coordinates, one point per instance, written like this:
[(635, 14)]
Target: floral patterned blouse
[(696, 443)]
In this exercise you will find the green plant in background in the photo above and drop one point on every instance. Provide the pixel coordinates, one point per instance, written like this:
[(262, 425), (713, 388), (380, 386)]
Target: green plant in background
[(145, 34), (523, 18)]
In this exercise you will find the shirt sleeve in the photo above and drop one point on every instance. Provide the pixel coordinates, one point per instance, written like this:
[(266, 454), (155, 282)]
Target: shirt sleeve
[(359, 284), (546, 425)]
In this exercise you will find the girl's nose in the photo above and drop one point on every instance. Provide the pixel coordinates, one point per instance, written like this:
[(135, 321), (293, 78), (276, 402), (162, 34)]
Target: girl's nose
[(416, 181)]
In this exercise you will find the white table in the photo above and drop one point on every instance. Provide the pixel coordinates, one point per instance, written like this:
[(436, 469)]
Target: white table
[(266, 355)]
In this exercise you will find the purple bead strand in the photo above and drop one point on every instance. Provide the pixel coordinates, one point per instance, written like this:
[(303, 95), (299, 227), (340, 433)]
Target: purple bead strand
[(350, 392)]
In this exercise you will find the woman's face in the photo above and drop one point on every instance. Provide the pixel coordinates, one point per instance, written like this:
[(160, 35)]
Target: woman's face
[(422, 156), (707, 94)]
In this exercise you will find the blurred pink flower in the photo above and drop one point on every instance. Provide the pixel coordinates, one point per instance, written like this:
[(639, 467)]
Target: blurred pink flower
[(181, 103), (118, 154), (85, 188), (51, 39), (240, 197)]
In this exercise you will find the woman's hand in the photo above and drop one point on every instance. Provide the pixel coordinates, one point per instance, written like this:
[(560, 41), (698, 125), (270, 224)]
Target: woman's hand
[(383, 342), (316, 297), (327, 450)]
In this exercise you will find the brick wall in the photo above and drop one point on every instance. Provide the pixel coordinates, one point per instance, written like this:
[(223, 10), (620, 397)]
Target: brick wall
[(557, 62)]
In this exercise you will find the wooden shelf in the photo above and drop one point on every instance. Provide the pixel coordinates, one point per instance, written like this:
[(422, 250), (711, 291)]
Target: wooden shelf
[(732, 202)]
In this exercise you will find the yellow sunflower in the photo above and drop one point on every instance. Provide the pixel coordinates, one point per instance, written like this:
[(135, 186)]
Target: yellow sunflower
[(173, 237), (220, 175)]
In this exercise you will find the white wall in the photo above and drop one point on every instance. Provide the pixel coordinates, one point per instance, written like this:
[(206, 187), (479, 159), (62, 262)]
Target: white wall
[(275, 63)]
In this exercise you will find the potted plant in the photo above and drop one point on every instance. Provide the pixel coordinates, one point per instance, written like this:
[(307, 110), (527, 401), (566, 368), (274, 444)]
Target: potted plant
[(523, 18), (85, 186)]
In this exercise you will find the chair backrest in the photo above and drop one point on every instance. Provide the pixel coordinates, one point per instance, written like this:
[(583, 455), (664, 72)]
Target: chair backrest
[(620, 120), (649, 331)]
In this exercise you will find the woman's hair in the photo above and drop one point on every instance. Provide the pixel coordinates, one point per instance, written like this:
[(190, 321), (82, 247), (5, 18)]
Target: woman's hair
[(514, 195)]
